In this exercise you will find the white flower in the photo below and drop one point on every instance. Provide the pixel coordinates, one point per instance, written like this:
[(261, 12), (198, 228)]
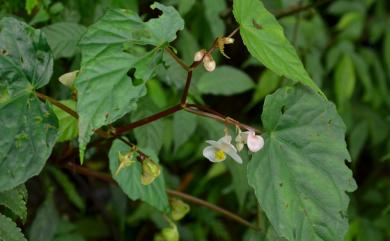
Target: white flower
[(254, 142), (218, 150)]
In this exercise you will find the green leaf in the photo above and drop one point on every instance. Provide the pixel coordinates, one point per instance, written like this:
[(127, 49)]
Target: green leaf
[(30, 5), (300, 177), (386, 51), (344, 80), (68, 187), (225, 80), (110, 48), (9, 231), (29, 127), (16, 201), (69, 237), (265, 40), (63, 38), (213, 10), (268, 82), (129, 179), (150, 135), (67, 123), (239, 181), (45, 223), (184, 127), (185, 6)]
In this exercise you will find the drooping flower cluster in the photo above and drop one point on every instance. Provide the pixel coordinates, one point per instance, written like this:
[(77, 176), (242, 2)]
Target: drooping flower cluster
[(218, 150)]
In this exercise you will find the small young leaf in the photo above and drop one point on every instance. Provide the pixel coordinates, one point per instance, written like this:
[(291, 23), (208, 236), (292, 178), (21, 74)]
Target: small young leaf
[(344, 80), (265, 40), (67, 123), (300, 177), (9, 231)]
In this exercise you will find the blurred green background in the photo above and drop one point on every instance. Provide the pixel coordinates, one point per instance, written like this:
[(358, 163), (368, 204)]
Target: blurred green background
[(345, 46)]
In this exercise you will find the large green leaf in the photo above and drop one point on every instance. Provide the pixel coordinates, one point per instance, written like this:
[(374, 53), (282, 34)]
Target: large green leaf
[(15, 200), (225, 80), (265, 40), (63, 38), (129, 178), (110, 48), (9, 231), (28, 126), (300, 177)]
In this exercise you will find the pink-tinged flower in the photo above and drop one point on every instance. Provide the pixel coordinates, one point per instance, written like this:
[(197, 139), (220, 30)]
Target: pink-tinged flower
[(218, 150), (254, 142)]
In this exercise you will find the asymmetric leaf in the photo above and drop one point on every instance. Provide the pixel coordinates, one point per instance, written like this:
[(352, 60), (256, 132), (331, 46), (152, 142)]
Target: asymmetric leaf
[(300, 177), (28, 126), (120, 41), (129, 178), (265, 40)]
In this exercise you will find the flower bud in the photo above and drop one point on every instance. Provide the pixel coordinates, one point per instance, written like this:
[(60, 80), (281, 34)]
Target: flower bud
[(254, 142), (179, 209), (240, 142), (68, 78), (199, 55), (209, 63), (150, 171), (227, 40)]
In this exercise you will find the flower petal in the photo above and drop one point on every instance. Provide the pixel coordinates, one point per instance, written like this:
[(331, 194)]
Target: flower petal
[(254, 142), (235, 156), (231, 151), (225, 139), (209, 153)]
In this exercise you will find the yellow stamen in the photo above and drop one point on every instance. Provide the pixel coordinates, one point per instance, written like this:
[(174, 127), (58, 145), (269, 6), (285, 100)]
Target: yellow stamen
[(220, 155)]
